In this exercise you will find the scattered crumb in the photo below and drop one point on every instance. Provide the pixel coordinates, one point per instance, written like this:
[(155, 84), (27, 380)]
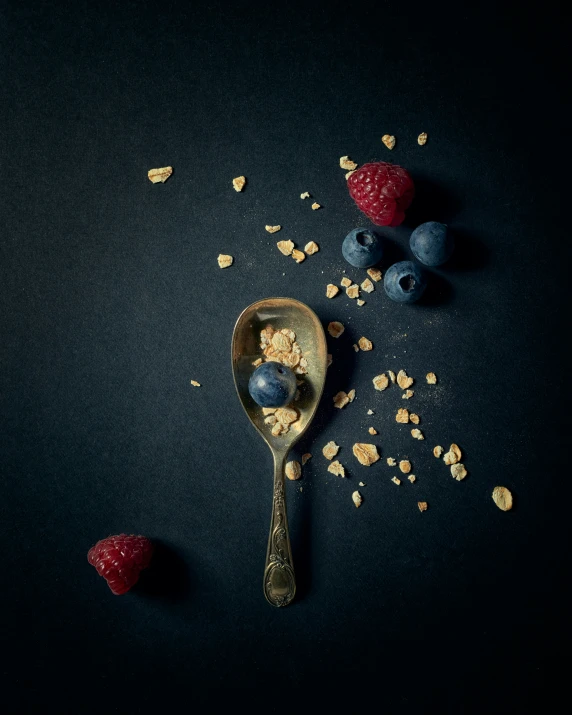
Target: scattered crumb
[(437, 451), (328, 360), (269, 410), (453, 455), (270, 420), (380, 382), (351, 395), (298, 256), (372, 430), (341, 400), (365, 454), (458, 471), (391, 462), (367, 286), (347, 163), (388, 140), (277, 429), (357, 498), (286, 415), (257, 362), (352, 291), (194, 383), (374, 274), (431, 378), (350, 173), (365, 344), (403, 380), (305, 195), (285, 247), (414, 418), (159, 175), (224, 261), (273, 229), (395, 480), (331, 290), (370, 412), (316, 206), (293, 470), (407, 395), (422, 505), (360, 302), (335, 329), (345, 282), (402, 416), (337, 469), (417, 434), (502, 498), (405, 466), (356, 348), (361, 484), (391, 375), (239, 183), (422, 139), (311, 247), (412, 478), (306, 457)]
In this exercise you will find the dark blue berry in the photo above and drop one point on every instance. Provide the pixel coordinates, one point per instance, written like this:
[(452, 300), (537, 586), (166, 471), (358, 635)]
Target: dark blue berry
[(362, 248), (405, 282), (432, 243), (272, 385)]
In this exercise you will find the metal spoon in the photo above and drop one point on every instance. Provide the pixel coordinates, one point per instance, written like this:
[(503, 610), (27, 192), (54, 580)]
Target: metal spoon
[(279, 579)]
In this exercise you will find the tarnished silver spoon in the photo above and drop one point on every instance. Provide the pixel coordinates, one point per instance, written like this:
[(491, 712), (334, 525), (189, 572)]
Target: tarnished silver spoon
[(279, 578)]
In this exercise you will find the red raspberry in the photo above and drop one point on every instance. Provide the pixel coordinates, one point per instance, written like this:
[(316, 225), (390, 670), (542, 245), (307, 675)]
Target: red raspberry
[(120, 559), (382, 191)]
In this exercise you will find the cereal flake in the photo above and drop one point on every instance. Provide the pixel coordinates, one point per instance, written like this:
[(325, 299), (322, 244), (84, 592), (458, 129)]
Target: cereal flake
[(347, 163), (365, 454), (285, 247), (412, 478), (403, 380), (502, 498), (437, 451), (374, 274), (224, 261), (239, 183), (407, 395), (365, 344), (335, 329), (306, 457), (391, 462), (298, 256), (391, 375), (360, 302), (346, 282), (388, 140), (357, 498), (417, 434), (351, 395), (380, 382), (414, 418), (350, 173), (352, 291), (402, 416), (405, 466), (367, 286), (316, 206), (395, 480), (458, 471), (305, 195), (293, 470), (311, 247), (337, 469), (372, 430), (157, 176), (431, 378), (422, 139), (273, 229), (331, 290), (194, 383), (422, 506), (341, 399)]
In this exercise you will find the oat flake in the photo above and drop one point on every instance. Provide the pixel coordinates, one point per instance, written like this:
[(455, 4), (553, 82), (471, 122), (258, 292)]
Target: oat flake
[(380, 382), (366, 454), (239, 183), (502, 498), (331, 290), (337, 469), (357, 499), (335, 329)]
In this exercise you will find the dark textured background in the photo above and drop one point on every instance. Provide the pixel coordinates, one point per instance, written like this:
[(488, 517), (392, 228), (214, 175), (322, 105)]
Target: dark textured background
[(112, 301)]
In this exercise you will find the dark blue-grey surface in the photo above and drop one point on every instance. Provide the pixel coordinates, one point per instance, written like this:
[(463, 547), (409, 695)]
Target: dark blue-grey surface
[(112, 301)]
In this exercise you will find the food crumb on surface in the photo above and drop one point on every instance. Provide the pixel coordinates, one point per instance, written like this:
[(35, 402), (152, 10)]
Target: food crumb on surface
[(351, 395), (458, 471), (367, 286), (273, 229), (346, 282), (330, 450), (412, 478), (388, 140), (335, 329), (306, 457), (350, 173), (391, 461), (157, 176), (407, 395), (502, 497), (305, 195), (293, 470), (332, 290), (370, 412), (361, 484), (380, 382), (341, 399), (360, 302), (414, 418), (403, 380), (328, 360), (347, 163), (352, 291), (357, 499), (225, 261), (285, 247), (417, 434), (422, 139), (365, 344), (365, 454), (431, 378), (405, 466), (372, 430), (337, 468), (391, 375), (356, 348), (402, 416), (395, 480), (298, 256), (422, 505), (311, 247), (194, 383), (316, 206), (374, 274), (437, 451), (239, 183)]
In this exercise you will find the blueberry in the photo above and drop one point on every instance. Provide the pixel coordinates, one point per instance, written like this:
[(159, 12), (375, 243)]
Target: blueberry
[(432, 243), (405, 282), (362, 248), (272, 385)]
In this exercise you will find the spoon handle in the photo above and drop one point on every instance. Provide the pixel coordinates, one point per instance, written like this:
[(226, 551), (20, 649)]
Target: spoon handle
[(279, 579)]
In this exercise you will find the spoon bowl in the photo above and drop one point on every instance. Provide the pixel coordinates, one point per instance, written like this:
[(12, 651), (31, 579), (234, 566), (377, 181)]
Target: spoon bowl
[(279, 579)]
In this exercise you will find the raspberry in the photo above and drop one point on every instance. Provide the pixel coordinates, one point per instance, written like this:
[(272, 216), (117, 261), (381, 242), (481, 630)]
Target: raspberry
[(382, 191), (120, 559)]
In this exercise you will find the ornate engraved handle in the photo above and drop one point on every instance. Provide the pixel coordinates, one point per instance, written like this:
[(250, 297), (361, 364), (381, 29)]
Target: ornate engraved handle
[(279, 579)]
